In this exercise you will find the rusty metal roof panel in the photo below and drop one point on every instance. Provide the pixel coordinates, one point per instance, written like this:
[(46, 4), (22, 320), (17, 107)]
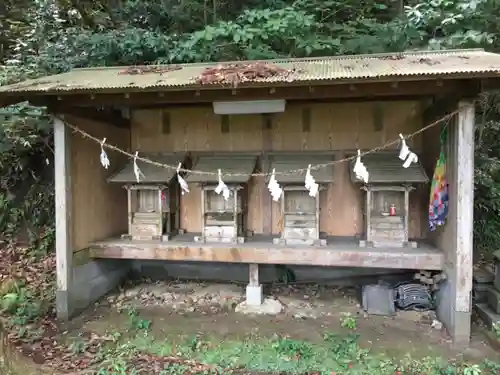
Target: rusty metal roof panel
[(387, 168), (285, 162), (241, 164), (467, 63), (152, 173)]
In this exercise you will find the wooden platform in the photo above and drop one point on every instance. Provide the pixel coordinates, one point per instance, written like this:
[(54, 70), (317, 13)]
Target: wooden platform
[(257, 250)]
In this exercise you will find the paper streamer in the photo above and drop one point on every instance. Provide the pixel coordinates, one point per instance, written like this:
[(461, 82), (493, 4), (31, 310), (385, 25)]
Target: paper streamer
[(222, 187)]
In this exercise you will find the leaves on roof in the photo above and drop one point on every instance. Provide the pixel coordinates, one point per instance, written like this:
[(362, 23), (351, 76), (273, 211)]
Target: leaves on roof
[(135, 70), (234, 74)]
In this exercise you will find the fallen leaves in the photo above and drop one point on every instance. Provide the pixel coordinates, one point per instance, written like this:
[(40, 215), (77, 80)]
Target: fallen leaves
[(49, 351), (149, 364), (42, 340), (158, 69), (234, 74)]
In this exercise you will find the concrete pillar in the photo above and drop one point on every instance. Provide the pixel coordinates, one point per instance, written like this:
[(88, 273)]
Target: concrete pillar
[(456, 238), (254, 294)]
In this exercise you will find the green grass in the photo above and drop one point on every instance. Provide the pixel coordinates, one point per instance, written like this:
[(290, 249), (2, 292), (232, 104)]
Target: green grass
[(337, 354)]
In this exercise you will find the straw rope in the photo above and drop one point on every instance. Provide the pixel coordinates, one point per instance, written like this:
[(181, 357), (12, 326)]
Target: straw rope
[(445, 119)]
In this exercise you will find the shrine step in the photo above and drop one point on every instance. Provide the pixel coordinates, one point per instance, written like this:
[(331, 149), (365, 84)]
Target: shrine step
[(385, 226), (382, 237), (487, 315), (147, 215), (140, 221), (480, 292), (494, 299), (482, 282), (484, 275), (386, 219), (388, 244)]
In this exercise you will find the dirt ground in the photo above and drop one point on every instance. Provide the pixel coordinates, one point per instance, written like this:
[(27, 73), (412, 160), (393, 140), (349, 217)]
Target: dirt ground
[(180, 311)]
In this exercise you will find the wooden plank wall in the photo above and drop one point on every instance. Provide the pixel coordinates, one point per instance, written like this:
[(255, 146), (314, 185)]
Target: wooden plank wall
[(99, 209), (337, 127)]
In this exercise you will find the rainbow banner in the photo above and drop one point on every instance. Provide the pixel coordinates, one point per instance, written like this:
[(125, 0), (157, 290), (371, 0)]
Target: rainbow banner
[(438, 203)]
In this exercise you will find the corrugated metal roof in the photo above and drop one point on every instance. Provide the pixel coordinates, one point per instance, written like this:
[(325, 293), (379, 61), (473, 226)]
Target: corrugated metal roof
[(386, 168), (227, 163), (152, 173), (292, 161), (466, 63)]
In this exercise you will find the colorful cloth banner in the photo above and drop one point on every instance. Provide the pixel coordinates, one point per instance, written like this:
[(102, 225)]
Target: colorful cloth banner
[(438, 206)]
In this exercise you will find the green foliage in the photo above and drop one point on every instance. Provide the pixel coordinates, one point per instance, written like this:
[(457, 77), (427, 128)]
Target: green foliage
[(348, 321), (20, 305), (136, 322), (47, 36), (26, 177), (337, 354), (496, 330), (293, 349), (117, 367), (487, 191)]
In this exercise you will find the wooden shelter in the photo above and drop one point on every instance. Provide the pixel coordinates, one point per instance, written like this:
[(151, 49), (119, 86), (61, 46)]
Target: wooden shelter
[(328, 105)]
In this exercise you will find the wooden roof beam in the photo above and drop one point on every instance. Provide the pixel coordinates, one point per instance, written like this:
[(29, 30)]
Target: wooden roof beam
[(109, 116), (332, 90)]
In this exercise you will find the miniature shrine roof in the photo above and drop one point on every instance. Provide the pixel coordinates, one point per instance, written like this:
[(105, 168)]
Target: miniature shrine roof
[(152, 173), (387, 168), (242, 164), (283, 162)]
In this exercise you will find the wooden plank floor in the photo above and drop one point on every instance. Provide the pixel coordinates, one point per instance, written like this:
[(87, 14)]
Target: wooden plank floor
[(340, 253)]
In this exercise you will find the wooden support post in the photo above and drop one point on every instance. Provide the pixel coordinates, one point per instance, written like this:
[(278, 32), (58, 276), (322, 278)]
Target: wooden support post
[(316, 199), (266, 199), (283, 215), (456, 238), (130, 210), (368, 215), (254, 288), (235, 214), (253, 276), (160, 214), (64, 253), (175, 202), (406, 212), (203, 215), (465, 206)]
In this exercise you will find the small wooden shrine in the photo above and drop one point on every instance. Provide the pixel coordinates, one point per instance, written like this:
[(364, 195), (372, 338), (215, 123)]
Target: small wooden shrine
[(153, 202), (387, 199), (223, 220), (300, 211)]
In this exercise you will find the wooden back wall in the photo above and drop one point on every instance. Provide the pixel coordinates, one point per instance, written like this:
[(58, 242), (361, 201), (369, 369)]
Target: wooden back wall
[(337, 127)]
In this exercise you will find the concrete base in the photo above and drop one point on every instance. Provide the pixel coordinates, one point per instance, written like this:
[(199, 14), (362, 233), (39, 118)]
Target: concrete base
[(457, 323), (89, 282), (254, 295), (238, 272), (268, 307)]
